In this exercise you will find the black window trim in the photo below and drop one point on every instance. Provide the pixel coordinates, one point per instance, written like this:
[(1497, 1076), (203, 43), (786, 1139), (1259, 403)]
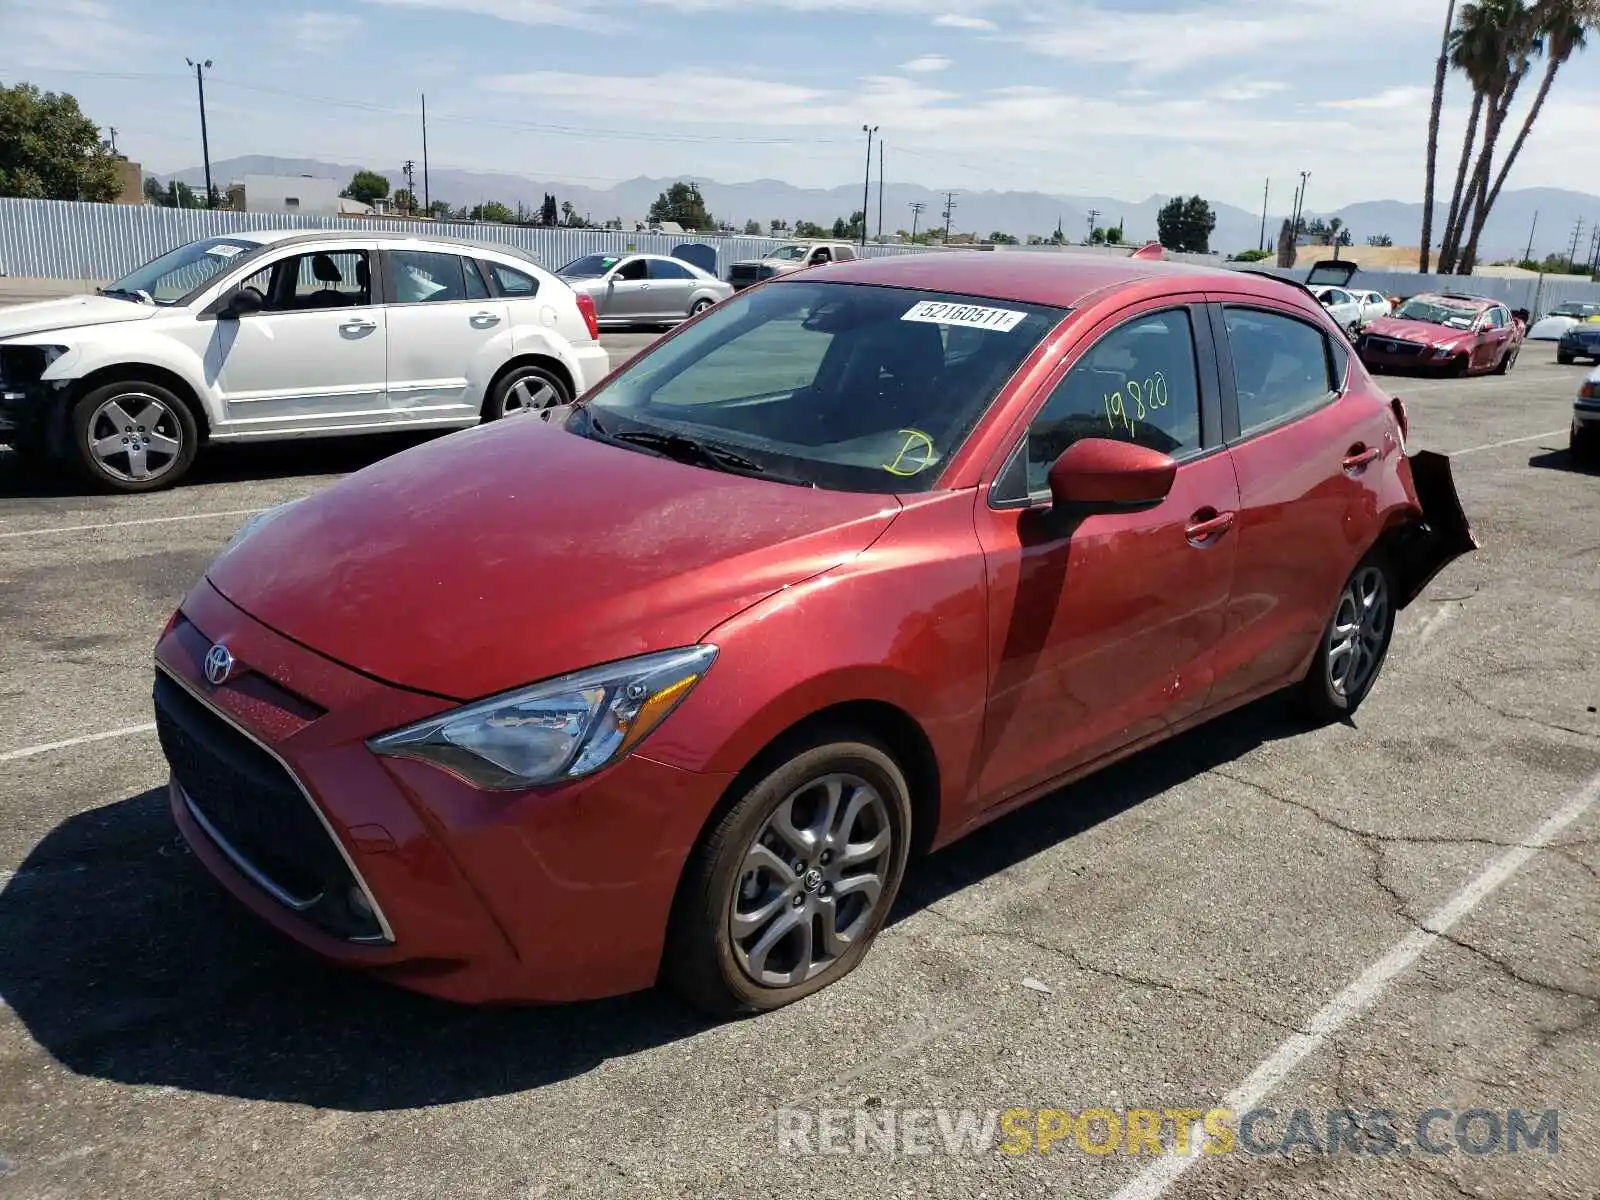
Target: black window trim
[(387, 254), (1339, 384), (1208, 375), (487, 267)]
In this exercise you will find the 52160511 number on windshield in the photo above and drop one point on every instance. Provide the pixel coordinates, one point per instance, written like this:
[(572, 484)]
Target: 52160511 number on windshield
[(1143, 397)]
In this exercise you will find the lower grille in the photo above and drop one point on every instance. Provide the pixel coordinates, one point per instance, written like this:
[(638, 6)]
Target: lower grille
[(1393, 346), (252, 808)]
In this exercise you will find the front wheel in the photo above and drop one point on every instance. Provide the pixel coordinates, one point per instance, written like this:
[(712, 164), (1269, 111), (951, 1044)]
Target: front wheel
[(1354, 644), (1506, 363), (699, 306), (785, 893), (133, 436), (526, 388), (1564, 359)]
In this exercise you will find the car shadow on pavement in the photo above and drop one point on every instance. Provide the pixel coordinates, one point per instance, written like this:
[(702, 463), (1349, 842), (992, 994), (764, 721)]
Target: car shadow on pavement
[(1562, 460), (126, 962), (22, 478)]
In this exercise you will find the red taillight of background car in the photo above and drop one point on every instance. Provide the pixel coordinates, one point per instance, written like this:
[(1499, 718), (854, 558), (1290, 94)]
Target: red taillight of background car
[(1590, 390), (586, 307)]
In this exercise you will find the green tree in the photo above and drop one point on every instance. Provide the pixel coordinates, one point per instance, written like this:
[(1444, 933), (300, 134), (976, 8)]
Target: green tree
[(1251, 255), (1114, 235), (181, 195), (154, 193), (682, 204), (439, 209), (404, 201), (1097, 236), (367, 186), (1380, 239), (1186, 225), (493, 210), (752, 228), (1002, 239), (777, 226), (852, 230), (50, 151), (809, 229)]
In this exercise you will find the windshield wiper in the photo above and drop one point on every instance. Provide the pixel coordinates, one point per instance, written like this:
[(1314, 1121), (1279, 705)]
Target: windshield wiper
[(685, 449), (123, 294)]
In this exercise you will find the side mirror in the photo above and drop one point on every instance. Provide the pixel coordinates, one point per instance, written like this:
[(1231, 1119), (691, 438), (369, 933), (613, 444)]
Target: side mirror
[(242, 303), (1105, 474)]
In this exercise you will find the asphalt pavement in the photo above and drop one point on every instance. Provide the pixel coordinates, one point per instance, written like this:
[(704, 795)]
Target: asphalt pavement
[(1396, 913)]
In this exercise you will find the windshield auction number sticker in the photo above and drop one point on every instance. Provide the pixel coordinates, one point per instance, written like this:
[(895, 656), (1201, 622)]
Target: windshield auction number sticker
[(969, 316)]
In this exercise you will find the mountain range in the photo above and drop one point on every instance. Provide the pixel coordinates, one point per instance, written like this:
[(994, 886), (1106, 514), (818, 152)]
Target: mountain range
[(981, 212)]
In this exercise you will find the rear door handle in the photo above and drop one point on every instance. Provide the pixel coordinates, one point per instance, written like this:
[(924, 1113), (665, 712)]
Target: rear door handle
[(1207, 525), (485, 319), (1359, 457)]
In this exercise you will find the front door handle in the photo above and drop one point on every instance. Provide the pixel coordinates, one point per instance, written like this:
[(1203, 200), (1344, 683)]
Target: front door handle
[(1207, 526), (357, 326), (484, 319), (1359, 457)]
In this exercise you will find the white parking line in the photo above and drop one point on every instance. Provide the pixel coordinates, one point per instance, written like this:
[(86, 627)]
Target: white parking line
[(1364, 991), (46, 747), (1532, 437), (231, 512)]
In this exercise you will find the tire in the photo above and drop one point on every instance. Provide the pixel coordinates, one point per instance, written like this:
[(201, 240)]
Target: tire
[(1564, 359), (699, 306), (743, 865), (133, 436), (1363, 619), (1457, 367), (1584, 448), (1505, 364), (526, 387)]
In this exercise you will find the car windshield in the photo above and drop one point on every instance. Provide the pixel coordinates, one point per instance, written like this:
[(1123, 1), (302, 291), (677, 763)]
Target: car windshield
[(842, 386), (1575, 310), (175, 274), (589, 266), (1438, 310), (789, 253)]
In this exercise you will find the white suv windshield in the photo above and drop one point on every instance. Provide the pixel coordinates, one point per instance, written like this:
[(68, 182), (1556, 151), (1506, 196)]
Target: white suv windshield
[(175, 274), (788, 253), (842, 386)]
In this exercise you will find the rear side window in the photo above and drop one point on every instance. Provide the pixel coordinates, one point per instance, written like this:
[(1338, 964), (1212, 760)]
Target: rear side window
[(661, 268), (427, 277), (513, 283), (1137, 384), (1280, 367)]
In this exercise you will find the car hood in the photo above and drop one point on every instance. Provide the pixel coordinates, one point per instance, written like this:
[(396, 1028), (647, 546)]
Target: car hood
[(517, 551), (1425, 332), (75, 311)]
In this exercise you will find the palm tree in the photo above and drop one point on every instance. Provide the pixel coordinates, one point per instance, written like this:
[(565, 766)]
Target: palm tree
[(1441, 70), (1563, 28), (1474, 51)]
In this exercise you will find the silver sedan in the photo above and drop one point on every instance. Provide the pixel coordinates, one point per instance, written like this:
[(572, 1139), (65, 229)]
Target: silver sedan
[(643, 289)]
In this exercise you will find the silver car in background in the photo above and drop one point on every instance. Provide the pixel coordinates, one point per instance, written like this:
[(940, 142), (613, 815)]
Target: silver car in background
[(643, 289)]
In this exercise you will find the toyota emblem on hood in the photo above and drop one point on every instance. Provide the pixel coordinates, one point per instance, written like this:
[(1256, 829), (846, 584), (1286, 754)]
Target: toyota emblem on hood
[(219, 665)]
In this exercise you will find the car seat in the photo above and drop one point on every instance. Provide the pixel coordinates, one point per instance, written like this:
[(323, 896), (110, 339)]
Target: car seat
[(326, 272)]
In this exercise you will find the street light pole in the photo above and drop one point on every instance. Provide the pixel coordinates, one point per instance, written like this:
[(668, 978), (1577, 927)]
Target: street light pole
[(866, 185), (200, 69)]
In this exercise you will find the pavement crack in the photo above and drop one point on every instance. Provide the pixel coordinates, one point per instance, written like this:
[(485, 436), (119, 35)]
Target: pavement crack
[(1507, 714), (1512, 972), (1093, 968)]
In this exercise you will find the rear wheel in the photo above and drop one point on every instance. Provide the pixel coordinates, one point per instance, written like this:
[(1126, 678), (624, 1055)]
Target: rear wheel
[(133, 436), (1563, 358), (525, 388), (785, 893), (1354, 644), (699, 307)]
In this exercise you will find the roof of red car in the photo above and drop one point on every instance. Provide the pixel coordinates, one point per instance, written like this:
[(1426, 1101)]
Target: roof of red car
[(1038, 277)]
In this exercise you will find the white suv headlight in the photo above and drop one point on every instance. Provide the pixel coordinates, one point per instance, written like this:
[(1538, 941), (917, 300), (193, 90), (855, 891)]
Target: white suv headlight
[(561, 729)]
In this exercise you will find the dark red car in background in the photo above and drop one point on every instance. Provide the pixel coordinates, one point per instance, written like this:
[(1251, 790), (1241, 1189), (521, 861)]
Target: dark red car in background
[(672, 686), (1447, 333)]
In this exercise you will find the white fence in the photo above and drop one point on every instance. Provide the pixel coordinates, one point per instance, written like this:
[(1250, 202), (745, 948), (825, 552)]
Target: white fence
[(1538, 294)]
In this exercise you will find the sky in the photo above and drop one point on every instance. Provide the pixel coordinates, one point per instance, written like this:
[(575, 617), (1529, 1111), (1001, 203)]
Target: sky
[(1076, 97)]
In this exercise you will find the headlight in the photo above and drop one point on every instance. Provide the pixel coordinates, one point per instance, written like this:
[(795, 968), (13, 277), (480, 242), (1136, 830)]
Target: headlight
[(557, 730), (256, 522)]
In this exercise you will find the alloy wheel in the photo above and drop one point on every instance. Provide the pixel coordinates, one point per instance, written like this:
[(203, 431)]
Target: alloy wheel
[(811, 881), (531, 393), (134, 437), (1356, 638)]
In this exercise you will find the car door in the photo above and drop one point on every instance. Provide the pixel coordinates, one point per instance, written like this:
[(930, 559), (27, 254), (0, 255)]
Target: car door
[(314, 356), (447, 335), (670, 285), (627, 292), (1492, 339), (1306, 505), (1102, 628)]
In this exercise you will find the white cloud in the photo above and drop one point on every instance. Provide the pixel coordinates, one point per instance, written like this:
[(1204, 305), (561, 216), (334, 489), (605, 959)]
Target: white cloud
[(1389, 98), (926, 62), (1245, 90), (323, 32), (67, 34), (576, 14), (963, 21)]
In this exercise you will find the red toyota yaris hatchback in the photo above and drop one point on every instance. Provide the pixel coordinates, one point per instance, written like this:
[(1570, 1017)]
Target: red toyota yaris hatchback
[(671, 685)]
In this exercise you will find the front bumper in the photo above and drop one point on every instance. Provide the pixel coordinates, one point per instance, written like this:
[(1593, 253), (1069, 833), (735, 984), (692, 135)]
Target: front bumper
[(552, 895), (1574, 348), (1398, 355)]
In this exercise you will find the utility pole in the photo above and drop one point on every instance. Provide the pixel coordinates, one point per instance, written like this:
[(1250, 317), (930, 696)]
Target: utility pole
[(1266, 193), (1594, 251), (1094, 215), (112, 131), (427, 200), (916, 213), (1528, 253), (866, 185), (1300, 202), (1577, 232), (411, 185), (880, 192), (949, 207), (200, 69)]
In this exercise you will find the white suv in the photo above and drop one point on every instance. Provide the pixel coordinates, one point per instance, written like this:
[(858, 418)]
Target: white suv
[(287, 334)]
